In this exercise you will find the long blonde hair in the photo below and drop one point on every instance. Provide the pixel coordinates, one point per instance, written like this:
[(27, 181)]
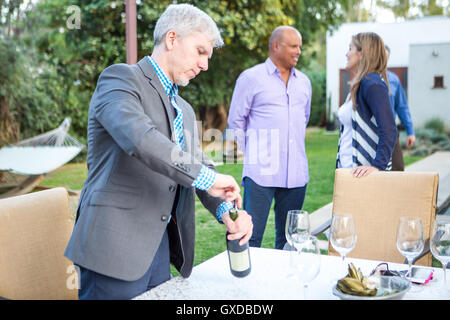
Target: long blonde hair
[(373, 59)]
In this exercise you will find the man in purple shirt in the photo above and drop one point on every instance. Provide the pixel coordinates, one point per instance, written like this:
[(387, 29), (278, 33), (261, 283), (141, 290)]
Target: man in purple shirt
[(269, 111)]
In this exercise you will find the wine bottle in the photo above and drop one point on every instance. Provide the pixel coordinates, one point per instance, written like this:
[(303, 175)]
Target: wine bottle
[(238, 256)]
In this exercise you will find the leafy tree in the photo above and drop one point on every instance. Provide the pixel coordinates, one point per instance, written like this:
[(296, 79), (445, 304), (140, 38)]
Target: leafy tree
[(246, 27), (27, 84), (431, 8), (354, 11), (68, 43), (410, 9), (9, 130)]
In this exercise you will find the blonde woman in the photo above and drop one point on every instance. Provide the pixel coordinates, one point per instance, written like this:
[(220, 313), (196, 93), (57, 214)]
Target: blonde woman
[(368, 131)]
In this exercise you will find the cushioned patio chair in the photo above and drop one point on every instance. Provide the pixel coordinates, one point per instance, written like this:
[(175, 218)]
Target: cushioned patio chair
[(377, 202), (34, 231)]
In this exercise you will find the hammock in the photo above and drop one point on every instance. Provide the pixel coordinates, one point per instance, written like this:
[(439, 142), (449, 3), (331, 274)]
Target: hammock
[(41, 154)]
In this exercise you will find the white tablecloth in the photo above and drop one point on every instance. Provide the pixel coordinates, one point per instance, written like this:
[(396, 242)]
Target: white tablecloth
[(212, 280)]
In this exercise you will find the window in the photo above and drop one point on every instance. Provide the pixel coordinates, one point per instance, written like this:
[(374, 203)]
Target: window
[(438, 82)]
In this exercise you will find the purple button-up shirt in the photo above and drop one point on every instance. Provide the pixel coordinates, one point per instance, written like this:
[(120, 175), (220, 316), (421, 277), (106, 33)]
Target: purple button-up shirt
[(269, 120)]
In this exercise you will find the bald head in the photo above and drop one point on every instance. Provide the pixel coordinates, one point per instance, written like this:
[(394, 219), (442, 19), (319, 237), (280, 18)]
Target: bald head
[(277, 34), (285, 45)]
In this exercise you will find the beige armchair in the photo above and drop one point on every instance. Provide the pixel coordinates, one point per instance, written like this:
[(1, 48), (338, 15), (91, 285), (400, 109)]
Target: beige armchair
[(376, 203), (34, 231)]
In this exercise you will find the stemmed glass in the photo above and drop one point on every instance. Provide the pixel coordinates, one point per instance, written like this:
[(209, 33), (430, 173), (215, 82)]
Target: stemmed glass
[(343, 234), (440, 248), (308, 263), (410, 241), (297, 232)]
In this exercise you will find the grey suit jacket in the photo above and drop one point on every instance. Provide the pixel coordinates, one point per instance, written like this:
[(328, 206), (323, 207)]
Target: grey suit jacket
[(134, 170)]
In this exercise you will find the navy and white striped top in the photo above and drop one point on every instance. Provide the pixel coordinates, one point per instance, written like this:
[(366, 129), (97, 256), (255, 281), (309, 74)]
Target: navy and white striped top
[(374, 131)]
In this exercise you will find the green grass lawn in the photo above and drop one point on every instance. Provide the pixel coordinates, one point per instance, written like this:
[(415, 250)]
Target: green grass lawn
[(71, 176), (210, 236)]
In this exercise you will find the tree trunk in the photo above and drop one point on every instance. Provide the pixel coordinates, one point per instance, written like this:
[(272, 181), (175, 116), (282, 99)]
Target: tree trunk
[(9, 130), (213, 118)]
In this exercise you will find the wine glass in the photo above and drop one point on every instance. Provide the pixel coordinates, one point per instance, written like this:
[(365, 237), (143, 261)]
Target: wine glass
[(297, 232), (343, 234), (440, 248), (410, 241), (308, 263)]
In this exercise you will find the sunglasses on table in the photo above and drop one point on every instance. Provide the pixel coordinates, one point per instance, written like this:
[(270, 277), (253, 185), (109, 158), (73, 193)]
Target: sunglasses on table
[(383, 270), (419, 275)]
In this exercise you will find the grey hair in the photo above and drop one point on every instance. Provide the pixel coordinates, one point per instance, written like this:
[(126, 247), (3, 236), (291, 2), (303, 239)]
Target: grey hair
[(186, 19), (277, 34)]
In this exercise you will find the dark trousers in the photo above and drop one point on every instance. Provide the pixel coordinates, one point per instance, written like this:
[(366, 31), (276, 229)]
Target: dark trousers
[(257, 202), (96, 286), (397, 157)]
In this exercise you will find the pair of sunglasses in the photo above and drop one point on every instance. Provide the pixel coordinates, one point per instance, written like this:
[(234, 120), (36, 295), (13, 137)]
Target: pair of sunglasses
[(383, 270)]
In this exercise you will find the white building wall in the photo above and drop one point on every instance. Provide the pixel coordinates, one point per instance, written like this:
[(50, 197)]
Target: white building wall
[(398, 36), (425, 102)]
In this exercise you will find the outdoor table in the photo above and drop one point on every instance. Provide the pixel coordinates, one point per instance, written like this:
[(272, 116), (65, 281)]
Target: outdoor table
[(212, 280)]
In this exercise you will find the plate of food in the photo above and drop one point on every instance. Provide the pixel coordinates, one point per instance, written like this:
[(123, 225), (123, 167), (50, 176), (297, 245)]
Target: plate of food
[(355, 286)]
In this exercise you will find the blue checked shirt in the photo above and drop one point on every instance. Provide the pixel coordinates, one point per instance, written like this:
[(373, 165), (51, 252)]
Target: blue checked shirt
[(206, 177)]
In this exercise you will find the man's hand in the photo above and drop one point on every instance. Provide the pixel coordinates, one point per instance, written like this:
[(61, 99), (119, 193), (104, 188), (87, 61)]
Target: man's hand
[(242, 227), (410, 140), (363, 171), (226, 187)]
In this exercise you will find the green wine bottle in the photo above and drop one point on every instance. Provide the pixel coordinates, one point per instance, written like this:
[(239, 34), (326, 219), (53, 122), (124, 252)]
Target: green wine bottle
[(238, 256)]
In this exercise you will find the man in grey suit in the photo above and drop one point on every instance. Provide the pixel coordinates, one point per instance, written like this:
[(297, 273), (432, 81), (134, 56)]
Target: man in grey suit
[(136, 210)]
